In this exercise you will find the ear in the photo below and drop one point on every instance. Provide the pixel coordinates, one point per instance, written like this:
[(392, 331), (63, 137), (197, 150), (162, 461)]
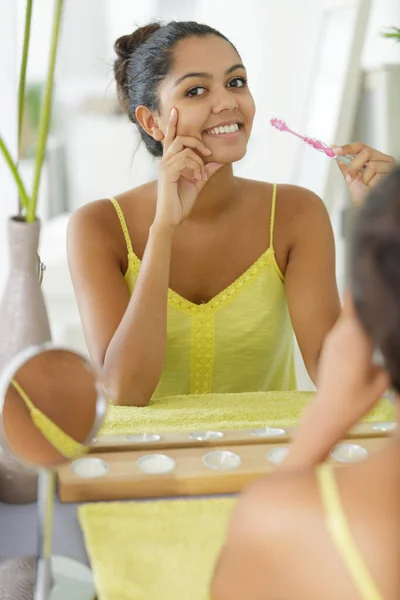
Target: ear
[(149, 121)]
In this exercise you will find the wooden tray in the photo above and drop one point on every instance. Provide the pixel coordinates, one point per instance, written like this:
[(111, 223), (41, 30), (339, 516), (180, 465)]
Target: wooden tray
[(191, 476), (233, 437)]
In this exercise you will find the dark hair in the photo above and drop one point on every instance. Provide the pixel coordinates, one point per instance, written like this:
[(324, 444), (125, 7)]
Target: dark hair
[(375, 270), (145, 58)]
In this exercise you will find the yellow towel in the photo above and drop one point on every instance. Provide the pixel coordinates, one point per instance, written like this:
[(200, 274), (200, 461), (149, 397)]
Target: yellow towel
[(220, 411), (158, 550), (166, 550)]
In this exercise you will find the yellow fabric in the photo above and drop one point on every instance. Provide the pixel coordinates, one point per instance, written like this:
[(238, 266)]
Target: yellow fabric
[(240, 341), (61, 441), (341, 535), (158, 550), (220, 411), (167, 549)]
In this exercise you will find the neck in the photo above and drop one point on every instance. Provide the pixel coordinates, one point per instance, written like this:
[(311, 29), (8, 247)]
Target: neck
[(216, 196)]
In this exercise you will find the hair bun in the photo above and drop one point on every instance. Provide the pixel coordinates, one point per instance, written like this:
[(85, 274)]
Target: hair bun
[(126, 45)]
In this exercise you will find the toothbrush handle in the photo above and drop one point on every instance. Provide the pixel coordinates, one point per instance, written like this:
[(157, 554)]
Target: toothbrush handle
[(346, 160)]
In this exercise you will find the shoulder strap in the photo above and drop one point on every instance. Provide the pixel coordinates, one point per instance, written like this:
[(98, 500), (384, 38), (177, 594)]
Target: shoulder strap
[(124, 226), (341, 536), (272, 219)]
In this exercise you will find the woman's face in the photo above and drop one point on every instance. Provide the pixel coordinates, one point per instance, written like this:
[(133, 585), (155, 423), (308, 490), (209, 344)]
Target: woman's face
[(208, 87)]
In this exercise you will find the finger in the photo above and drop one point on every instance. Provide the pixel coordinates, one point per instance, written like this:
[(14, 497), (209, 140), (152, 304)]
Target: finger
[(188, 152), (369, 173), (170, 133), (343, 168), (348, 305), (358, 162), (357, 147), (186, 163), (376, 179), (181, 142)]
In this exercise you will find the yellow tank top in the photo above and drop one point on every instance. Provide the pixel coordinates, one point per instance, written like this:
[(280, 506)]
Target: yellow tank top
[(240, 341), (341, 536)]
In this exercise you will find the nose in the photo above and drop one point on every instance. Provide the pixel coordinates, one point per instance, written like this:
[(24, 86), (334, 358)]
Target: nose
[(224, 100)]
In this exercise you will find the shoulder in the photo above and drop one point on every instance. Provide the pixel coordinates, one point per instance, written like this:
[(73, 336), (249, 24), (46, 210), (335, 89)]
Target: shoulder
[(99, 220), (299, 202), (292, 201), (91, 227), (265, 524), (270, 506)]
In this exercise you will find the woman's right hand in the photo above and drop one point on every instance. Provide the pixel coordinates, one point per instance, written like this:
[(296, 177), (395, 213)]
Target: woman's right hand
[(182, 175)]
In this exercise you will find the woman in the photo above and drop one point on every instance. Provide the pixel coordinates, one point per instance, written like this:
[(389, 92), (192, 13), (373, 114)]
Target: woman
[(192, 283), (313, 532)]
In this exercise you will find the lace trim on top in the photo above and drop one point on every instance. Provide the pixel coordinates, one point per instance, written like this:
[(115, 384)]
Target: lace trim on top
[(124, 226), (202, 353), (188, 307), (184, 305)]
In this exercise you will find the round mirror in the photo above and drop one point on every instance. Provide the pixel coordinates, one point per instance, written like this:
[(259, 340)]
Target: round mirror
[(51, 406)]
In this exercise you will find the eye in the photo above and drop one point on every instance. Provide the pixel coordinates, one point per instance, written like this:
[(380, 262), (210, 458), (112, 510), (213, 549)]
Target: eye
[(238, 82), (198, 90)]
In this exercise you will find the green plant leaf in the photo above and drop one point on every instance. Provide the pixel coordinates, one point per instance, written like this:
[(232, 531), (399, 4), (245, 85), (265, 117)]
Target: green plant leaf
[(22, 75), (21, 188), (45, 112), (393, 33)]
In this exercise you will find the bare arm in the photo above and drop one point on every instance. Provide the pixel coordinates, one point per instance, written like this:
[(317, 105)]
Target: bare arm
[(126, 336), (311, 288)]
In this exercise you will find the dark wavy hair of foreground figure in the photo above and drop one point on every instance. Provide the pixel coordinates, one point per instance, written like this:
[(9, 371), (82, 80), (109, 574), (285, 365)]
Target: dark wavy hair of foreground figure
[(144, 59), (375, 270)]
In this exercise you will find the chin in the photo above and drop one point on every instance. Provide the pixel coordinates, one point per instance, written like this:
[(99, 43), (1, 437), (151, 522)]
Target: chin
[(227, 156)]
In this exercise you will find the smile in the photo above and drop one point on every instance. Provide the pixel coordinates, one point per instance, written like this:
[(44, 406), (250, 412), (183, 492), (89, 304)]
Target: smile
[(230, 130)]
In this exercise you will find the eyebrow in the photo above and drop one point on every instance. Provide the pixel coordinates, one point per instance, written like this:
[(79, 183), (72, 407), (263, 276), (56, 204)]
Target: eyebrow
[(208, 75)]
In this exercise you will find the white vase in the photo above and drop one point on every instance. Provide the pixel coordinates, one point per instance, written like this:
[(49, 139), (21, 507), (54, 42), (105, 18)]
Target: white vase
[(23, 323)]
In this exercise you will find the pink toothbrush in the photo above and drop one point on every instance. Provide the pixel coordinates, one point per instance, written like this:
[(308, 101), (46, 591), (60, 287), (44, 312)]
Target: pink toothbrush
[(317, 144)]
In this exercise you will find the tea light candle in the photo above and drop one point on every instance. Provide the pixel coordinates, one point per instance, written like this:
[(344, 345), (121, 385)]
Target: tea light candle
[(90, 468), (143, 438), (384, 426), (276, 455), (221, 460), (349, 453), (156, 464), (202, 436), (268, 432)]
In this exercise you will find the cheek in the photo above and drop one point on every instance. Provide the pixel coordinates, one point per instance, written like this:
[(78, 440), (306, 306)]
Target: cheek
[(192, 118), (249, 107)]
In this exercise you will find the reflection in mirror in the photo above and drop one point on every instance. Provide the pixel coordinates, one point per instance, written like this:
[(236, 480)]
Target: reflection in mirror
[(51, 406)]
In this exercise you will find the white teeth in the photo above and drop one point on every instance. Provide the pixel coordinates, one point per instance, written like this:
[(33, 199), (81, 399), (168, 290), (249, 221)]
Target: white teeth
[(224, 129)]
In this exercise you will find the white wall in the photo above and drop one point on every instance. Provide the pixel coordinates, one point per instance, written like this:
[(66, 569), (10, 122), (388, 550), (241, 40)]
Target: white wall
[(378, 50), (8, 123)]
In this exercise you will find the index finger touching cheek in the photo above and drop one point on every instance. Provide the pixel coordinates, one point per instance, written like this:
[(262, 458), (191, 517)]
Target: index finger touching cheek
[(170, 133)]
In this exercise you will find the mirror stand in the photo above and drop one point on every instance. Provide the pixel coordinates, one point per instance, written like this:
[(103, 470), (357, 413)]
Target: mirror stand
[(57, 578), (45, 577), (42, 433)]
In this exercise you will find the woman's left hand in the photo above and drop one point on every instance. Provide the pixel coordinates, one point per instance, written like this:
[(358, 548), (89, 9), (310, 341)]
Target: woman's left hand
[(377, 165), (349, 385)]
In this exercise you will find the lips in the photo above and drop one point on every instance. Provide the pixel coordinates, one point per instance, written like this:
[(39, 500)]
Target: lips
[(226, 128), (223, 124)]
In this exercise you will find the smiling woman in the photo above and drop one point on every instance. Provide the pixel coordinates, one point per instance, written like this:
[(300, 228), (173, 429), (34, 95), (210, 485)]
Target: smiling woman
[(193, 283)]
